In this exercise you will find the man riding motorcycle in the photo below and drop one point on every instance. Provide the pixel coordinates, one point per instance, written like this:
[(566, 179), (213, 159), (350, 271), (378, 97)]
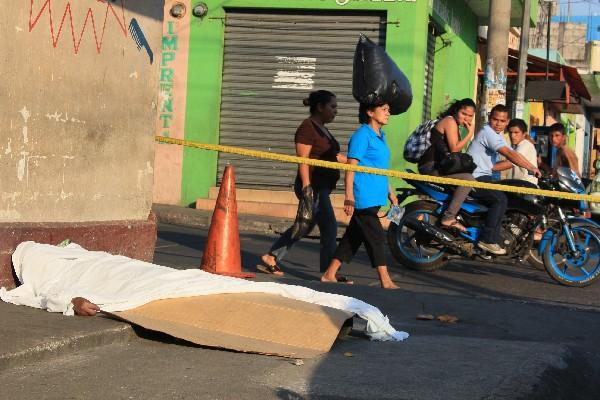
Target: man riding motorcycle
[(487, 144)]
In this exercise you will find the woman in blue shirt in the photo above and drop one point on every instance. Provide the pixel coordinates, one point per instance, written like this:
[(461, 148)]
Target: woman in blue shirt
[(365, 194)]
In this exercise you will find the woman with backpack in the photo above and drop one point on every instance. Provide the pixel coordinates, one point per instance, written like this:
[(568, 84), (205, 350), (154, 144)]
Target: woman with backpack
[(445, 138)]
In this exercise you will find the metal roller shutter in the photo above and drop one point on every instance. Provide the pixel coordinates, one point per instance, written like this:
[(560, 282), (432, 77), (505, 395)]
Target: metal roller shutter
[(272, 60), (429, 64)]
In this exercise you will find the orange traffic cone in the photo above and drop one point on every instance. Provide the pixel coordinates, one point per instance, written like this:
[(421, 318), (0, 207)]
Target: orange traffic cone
[(222, 254)]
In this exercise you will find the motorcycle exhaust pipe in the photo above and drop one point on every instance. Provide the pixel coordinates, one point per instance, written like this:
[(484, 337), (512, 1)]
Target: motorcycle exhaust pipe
[(436, 234)]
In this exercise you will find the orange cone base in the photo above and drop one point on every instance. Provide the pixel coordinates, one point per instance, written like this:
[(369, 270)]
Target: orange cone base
[(245, 275)]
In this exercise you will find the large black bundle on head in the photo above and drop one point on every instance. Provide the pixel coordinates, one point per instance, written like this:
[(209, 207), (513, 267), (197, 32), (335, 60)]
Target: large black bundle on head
[(376, 78)]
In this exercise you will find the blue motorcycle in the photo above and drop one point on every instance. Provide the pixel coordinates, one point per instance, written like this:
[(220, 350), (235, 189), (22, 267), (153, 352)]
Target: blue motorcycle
[(569, 246)]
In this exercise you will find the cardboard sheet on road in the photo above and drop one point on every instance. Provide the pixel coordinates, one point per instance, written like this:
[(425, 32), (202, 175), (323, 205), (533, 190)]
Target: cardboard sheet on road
[(248, 322)]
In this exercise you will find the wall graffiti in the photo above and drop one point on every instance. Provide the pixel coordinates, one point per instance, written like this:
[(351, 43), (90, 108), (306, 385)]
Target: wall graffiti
[(169, 52), (139, 38), (89, 21)]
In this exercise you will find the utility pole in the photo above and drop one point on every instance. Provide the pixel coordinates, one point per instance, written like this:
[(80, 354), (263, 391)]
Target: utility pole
[(549, 2), (548, 23), (523, 51), (494, 91)]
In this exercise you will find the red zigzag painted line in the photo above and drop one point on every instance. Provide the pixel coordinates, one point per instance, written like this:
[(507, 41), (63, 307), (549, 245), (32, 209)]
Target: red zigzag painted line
[(89, 16)]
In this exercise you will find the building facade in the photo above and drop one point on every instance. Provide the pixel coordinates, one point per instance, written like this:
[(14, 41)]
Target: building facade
[(237, 74)]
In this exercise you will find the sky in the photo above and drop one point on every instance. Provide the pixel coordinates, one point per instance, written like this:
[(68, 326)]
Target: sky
[(580, 7), (582, 11)]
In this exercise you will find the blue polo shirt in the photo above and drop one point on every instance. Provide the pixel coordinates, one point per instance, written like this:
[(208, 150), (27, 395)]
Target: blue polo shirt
[(370, 150), (484, 150)]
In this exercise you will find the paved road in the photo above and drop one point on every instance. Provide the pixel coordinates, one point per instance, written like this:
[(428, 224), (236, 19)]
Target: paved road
[(520, 336), (180, 247)]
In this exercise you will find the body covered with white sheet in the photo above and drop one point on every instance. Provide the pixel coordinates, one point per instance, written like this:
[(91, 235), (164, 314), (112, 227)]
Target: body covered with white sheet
[(52, 276)]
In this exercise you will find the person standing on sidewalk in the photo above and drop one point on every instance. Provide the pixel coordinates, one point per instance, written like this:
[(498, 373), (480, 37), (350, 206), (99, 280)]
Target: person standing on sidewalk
[(365, 194), (313, 140)]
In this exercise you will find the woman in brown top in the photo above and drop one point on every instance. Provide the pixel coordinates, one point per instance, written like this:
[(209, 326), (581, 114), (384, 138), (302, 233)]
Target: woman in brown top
[(445, 137), (313, 140)]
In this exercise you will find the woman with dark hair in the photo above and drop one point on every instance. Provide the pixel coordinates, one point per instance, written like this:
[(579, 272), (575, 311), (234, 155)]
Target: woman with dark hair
[(445, 137), (365, 194), (313, 140)]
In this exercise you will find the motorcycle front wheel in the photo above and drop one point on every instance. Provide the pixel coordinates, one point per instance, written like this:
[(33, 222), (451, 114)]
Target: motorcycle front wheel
[(413, 249), (536, 260), (580, 268)]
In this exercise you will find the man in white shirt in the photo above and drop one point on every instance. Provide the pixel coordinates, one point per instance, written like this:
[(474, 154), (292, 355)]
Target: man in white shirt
[(517, 128)]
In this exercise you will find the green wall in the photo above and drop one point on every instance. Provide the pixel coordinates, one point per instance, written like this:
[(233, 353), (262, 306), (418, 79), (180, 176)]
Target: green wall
[(406, 43), (455, 60)]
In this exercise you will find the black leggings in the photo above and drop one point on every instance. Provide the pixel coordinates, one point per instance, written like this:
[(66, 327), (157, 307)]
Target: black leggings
[(364, 228)]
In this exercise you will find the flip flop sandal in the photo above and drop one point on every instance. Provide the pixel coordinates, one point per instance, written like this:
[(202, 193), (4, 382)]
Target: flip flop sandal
[(455, 225), (269, 269), (344, 279)]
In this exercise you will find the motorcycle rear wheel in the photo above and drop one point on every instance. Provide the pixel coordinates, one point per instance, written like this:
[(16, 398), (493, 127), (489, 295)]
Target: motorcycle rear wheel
[(568, 269), (412, 249)]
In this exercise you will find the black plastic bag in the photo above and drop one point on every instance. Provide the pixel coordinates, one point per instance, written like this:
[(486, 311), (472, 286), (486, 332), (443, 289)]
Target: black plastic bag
[(303, 223), (376, 78), (456, 163)]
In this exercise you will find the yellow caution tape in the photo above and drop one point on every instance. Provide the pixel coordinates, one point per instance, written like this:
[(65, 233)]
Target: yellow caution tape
[(391, 173)]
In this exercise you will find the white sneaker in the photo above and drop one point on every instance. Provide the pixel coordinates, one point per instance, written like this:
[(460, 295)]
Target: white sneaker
[(492, 248)]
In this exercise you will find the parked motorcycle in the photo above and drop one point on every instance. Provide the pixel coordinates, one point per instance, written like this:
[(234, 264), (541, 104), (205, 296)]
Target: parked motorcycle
[(570, 251)]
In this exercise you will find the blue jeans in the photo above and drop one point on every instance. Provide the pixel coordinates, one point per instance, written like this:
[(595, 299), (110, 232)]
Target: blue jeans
[(324, 217), (496, 202)]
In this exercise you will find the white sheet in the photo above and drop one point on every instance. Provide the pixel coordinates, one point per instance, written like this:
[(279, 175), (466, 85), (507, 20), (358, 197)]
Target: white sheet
[(51, 276)]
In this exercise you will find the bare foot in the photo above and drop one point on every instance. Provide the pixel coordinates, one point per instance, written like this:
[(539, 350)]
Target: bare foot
[(385, 278), (328, 278), (330, 274), (389, 285)]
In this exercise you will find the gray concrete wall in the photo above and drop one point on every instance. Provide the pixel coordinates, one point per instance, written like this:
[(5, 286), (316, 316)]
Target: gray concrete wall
[(571, 43), (78, 109), (568, 38)]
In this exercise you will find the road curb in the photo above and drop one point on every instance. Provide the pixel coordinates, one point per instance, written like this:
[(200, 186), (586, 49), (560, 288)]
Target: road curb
[(191, 217), (67, 345)]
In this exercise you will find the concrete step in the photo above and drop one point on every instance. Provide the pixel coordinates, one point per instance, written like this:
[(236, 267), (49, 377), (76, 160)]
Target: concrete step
[(281, 210), (277, 210), (30, 335), (272, 196)]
